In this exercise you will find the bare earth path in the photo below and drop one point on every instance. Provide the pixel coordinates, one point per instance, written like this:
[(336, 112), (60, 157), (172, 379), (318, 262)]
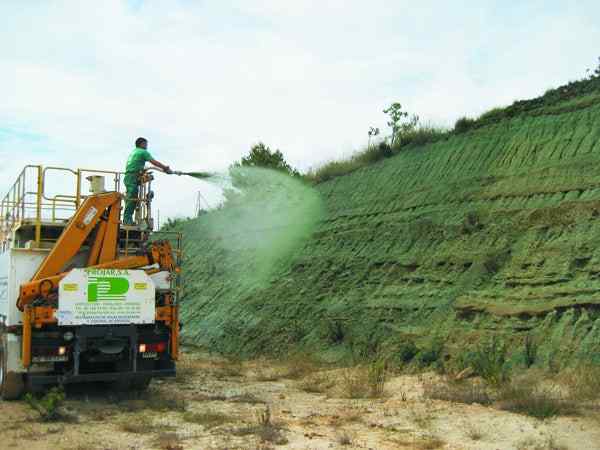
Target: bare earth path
[(218, 404)]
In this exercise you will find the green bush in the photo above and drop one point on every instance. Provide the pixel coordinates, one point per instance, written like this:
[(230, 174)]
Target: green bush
[(48, 406), (407, 351), (431, 353), (422, 135), (464, 124), (489, 362)]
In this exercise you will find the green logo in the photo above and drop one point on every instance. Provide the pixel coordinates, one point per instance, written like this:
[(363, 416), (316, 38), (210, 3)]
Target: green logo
[(102, 288)]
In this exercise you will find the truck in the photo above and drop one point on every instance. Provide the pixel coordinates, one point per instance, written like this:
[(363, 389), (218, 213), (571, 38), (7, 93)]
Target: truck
[(83, 297)]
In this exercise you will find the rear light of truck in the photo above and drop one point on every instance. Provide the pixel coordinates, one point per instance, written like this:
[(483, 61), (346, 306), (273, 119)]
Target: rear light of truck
[(153, 348), (50, 354)]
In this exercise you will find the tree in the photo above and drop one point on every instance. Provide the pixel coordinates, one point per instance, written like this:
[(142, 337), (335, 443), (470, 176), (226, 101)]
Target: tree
[(597, 70), (262, 156), (396, 115), (395, 123)]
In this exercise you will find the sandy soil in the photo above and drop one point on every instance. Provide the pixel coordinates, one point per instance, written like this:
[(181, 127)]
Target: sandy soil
[(218, 404)]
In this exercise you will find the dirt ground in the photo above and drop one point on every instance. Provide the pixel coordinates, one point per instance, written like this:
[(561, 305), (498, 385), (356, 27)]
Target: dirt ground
[(219, 404)]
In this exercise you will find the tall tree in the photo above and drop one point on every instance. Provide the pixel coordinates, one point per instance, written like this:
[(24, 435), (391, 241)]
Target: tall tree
[(262, 156)]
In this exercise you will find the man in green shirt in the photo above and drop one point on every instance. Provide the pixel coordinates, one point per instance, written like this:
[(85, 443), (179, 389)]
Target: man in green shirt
[(135, 165)]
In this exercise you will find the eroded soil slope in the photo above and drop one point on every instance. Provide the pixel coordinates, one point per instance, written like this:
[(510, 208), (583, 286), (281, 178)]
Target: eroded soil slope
[(492, 231)]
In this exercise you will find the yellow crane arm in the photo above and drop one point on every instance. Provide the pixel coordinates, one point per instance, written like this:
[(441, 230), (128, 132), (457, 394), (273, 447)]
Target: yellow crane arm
[(79, 228)]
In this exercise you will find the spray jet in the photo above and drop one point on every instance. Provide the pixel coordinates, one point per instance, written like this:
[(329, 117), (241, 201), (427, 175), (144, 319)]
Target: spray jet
[(195, 174)]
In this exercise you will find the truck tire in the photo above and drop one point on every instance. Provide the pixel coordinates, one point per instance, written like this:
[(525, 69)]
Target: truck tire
[(11, 383)]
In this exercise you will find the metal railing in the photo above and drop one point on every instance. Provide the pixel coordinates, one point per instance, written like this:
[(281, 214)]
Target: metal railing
[(29, 201)]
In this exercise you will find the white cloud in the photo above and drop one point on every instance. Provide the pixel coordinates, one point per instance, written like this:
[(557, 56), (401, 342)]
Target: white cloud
[(203, 81)]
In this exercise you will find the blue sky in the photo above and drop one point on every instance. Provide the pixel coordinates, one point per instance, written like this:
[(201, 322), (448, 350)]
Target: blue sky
[(204, 80)]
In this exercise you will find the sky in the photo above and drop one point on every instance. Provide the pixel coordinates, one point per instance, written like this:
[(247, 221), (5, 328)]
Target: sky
[(205, 80)]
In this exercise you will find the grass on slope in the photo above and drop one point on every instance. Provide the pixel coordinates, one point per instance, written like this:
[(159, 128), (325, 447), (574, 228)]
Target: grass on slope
[(576, 95)]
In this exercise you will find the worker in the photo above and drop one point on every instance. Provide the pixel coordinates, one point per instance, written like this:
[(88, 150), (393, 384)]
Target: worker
[(135, 165)]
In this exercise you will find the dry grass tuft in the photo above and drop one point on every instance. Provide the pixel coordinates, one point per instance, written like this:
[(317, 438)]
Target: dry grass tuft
[(232, 368), (169, 441), (317, 383), (267, 430), (143, 424), (208, 419), (581, 382), (474, 433), (364, 381), (465, 391), (533, 399), (421, 443), (344, 439)]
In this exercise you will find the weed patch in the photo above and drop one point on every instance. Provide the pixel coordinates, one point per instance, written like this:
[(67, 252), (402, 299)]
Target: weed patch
[(541, 402), (364, 381), (50, 406), (142, 424), (208, 419), (489, 362), (264, 428), (318, 383), (466, 391)]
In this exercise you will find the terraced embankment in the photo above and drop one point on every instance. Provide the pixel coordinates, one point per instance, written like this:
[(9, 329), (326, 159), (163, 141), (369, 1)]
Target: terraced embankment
[(493, 231)]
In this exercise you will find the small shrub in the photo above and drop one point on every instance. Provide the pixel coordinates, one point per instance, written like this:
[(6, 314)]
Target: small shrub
[(208, 419), (376, 378), (489, 362), (407, 351), (431, 353), (344, 439), (298, 365), (464, 124), (525, 397), (364, 381), (265, 429), (474, 433), (466, 391), (141, 425), (354, 383), (419, 136), (317, 383), (49, 406), (582, 382), (493, 115)]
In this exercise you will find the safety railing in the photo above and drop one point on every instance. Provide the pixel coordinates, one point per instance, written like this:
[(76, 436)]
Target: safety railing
[(32, 201), (176, 240)]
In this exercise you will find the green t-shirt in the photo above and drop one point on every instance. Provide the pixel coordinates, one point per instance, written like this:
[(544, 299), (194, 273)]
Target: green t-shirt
[(136, 161)]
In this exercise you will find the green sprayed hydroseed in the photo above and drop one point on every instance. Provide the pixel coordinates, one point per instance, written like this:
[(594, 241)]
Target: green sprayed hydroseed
[(493, 232)]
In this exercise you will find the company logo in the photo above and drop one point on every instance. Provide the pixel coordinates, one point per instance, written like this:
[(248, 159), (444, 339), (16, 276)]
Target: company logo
[(103, 288)]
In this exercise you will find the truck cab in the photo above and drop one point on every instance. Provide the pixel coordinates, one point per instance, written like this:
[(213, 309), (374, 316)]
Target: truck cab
[(83, 297)]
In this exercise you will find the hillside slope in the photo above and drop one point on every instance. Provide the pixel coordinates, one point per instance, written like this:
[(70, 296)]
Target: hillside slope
[(494, 231)]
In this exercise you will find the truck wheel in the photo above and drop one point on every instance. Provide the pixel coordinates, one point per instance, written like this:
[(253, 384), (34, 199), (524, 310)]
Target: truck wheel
[(11, 383)]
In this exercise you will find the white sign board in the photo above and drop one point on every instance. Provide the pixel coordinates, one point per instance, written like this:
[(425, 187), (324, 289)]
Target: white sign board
[(106, 297)]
